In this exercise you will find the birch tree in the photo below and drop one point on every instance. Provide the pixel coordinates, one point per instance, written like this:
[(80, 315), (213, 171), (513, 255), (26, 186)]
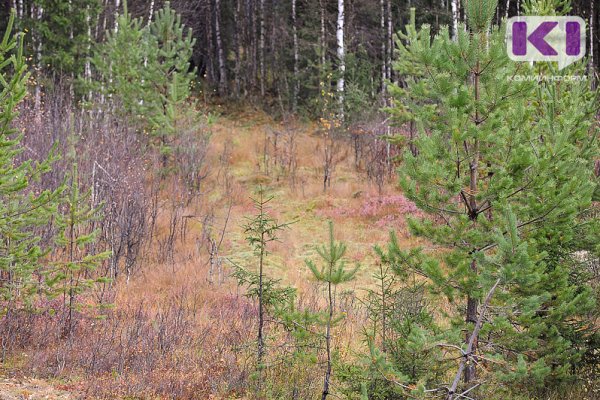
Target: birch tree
[(296, 58), (220, 51), (341, 55), (455, 18)]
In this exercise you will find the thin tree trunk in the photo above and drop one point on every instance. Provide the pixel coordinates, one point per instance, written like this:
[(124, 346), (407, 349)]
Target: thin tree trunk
[(150, 12), (87, 69), (117, 4), (383, 309), (210, 65), (328, 341), (261, 48), (68, 325), (296, 58), (254, 41), (592, 42), (472, 303), (322, 39), (471, 344), (384, 42), (38, 59), (260, 338), (220, 53), (507, 9), (237, 44), (390, 40), (455, 18), (341, 55)]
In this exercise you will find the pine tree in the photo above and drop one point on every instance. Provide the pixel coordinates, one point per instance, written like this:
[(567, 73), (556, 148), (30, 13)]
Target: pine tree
[(146, 70), (332, 273), (74, 274), (22, 210), (168, 74), (500, 158)]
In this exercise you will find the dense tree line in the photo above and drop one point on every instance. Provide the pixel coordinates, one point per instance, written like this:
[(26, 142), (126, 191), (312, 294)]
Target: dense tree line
[(282, 51)]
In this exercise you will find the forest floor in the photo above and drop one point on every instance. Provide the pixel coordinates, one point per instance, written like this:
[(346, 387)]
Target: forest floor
[(31, 389), (362, 214)]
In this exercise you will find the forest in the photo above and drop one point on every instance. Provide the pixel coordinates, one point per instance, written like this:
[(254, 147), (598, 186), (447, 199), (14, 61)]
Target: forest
[(299, 199)]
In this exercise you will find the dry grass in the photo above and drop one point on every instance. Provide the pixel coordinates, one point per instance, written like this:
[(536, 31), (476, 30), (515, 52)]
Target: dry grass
[(171, 332)]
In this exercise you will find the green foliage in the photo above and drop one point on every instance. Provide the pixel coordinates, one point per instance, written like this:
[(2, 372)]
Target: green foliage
[(63, 29), (74, 274), (546, 7), (480, 13), (503, 170), (262, 229), (22, 210), (146, 70), (274, 295), (333, 270)]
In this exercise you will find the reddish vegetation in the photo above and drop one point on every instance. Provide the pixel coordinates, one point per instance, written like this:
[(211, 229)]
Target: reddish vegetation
[(387, 211)]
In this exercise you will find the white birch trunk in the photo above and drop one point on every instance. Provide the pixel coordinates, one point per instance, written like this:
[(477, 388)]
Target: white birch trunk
[(383, 46), (507, 8), (117, 4), (296, 58), (390, 40), (341, 54), (237, 43), (38, 59), (150, 13), (455, 18), (261, 48), (592, 41), (87, 69), (323, 44), (220, 54)]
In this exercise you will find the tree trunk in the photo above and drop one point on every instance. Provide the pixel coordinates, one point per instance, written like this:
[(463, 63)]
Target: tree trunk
[(384, 42), (210, 65), (296, 58), (471, 345), (150, 13), (455, 18), (237, 44), (328, 342), (117, 5), (323, 41), (341, 54), (220, 53), (261, 48), (38, 59), (87, 69), (390, 40), (471, 315), (592, 42), (260, 338)]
